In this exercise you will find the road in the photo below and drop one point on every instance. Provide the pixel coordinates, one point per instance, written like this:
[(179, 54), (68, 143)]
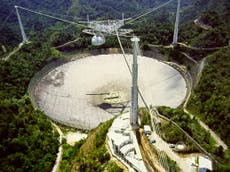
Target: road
[(219, 141), (184, 162), (149, 156), (202, 25), (190, 58), (13, 52), (187, 135), (67, 43), (60, 149), (201, 48), (188, 46)]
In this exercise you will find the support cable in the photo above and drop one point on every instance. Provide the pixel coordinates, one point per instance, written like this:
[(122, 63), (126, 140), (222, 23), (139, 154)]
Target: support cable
[(163, 161), (24, 37), (126, 61), (6, 19), (175, 34), (123, 52), (154, 9), (56, 14), (53, 17)]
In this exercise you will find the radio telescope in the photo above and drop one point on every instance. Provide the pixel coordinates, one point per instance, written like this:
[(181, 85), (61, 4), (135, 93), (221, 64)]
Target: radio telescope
[(106, 27), (96, 28)]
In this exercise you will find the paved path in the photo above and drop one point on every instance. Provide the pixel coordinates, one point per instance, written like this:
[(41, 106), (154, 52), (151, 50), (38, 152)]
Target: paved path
[(189, 46), (184, 162), (202, 25), (190, 58), (13, 52), (60, 149), (67, 43), (150, 157), (219, 141), (201, 48)]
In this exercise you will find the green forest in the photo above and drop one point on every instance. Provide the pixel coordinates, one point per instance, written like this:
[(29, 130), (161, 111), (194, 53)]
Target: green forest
[(172, 134), (90, 154), (211, 98), (28, 140)]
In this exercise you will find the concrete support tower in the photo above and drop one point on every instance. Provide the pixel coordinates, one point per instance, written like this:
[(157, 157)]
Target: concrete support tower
[(24, 37), (87, 18), (175, 35), (134, 89)]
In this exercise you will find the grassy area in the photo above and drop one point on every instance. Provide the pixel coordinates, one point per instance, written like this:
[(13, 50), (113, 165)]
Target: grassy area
[(144, 117), (28, 142), (173, 167), (89, 154), (172, 134), (69, 154), (146, 120), (192, 127)]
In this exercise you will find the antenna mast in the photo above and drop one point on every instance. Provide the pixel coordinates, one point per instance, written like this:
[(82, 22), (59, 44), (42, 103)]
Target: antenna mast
[(175, 35), (24, 37)]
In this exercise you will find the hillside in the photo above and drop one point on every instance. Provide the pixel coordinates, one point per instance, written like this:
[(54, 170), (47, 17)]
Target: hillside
[(90, 154), (195, 7), (211, 98), (217, 35), (28, 141), (112, 9), (190, 9), (10, 33), (7, 7), (103, 9)]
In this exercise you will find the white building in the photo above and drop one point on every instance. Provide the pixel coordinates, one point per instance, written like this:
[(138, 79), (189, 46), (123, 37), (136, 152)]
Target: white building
[(123, 144), (147, 129), (205, 164)]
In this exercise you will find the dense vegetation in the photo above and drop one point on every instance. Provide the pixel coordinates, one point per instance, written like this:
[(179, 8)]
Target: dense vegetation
[(173, 167), (10, 33), (144, 117), (69, 154), (112, 9), (217, 36), (190, 9), (28, 141), (90, 154), (28, 148), (211, 99), (153, 32), (195, 7), (193, 128)]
